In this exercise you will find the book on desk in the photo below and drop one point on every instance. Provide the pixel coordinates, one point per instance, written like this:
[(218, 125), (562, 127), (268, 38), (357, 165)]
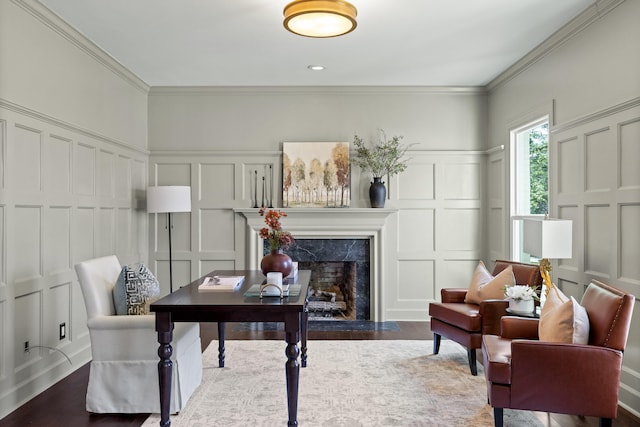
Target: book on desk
[(221, 283)]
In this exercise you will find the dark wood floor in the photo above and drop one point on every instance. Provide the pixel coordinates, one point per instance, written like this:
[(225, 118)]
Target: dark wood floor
[(63, 404)]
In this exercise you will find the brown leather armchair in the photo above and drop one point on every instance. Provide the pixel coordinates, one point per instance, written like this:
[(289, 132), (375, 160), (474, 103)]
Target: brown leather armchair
[(576, 379), (466, 323)]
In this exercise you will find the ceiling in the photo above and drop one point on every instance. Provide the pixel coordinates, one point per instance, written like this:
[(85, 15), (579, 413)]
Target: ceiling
[(243, 42)]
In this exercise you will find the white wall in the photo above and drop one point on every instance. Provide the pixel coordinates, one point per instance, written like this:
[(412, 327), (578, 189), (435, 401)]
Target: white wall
[(73, 173), (261, 118), (590, 85), (210, 138)]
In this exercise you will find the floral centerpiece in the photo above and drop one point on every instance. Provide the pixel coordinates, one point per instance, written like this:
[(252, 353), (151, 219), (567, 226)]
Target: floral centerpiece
[(278, 240), (521, 298), (277, 237)]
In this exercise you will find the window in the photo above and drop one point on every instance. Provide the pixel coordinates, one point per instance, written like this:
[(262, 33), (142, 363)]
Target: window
[(529, 178)]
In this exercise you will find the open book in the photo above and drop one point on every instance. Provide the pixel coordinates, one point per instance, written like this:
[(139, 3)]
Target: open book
[(221, 284)]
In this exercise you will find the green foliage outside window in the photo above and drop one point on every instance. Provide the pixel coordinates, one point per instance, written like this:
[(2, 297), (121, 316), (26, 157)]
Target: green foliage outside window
[(539, 169)]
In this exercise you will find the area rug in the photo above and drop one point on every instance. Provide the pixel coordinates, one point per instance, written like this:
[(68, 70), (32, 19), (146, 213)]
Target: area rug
[(346, 383)]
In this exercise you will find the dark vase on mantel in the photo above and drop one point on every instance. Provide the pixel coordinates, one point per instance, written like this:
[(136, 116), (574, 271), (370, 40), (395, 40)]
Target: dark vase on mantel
[(377, 193), (276, 261)]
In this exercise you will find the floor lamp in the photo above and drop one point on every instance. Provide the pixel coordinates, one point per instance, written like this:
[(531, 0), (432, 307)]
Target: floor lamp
[(547, 238), (169, 199)]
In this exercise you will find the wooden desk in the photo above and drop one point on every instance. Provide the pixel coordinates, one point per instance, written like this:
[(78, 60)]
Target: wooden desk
[(187, 304)]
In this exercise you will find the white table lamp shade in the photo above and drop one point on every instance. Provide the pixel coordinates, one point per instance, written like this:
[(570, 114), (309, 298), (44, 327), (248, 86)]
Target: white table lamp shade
[(169, 198), (548, 238)]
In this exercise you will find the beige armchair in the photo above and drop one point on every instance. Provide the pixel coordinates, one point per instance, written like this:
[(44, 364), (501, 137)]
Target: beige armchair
[(123, 374)]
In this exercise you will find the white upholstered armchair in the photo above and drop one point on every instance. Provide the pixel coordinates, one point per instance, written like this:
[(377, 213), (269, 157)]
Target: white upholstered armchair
[(123, 374)]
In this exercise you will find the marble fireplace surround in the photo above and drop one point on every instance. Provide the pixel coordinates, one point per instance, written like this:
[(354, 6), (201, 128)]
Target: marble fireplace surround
[(328, 223)]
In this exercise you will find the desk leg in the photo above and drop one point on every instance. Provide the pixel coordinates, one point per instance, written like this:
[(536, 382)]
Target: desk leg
[(221, 330), (292, 367), (304, 316), (164, 327)]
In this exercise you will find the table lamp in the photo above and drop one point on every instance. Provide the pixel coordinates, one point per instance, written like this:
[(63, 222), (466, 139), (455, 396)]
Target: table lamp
[(547, 238), (169, 199)]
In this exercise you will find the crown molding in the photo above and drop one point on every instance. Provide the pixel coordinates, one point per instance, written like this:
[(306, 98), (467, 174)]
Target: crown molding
[(313, 90), (592, 14), (53, 21)]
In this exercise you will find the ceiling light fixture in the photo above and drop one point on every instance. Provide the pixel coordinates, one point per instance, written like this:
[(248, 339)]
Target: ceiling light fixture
[(316, 67), (320, 18)]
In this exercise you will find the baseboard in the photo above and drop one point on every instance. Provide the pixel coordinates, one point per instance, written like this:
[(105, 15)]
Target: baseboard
[(21, 393)]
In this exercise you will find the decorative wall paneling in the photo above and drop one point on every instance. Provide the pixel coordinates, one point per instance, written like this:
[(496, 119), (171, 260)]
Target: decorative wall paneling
[(596, 182), (438, 232), (497, 243), (211, 236), (65, 196), (434, 240)]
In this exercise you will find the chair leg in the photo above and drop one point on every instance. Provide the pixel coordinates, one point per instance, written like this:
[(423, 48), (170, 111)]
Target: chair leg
[(497, 416), (472, 361), (436, 343), (606, 422)]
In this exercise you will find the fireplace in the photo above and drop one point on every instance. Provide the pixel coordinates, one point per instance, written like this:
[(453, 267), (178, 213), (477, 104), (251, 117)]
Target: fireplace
[(340, 277), (320, 226)]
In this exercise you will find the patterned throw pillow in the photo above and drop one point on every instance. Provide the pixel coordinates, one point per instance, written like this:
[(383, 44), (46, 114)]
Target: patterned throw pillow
[(135, 290)]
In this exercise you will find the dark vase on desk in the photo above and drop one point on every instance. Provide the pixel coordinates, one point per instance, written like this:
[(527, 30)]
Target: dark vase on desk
[(276, 261)]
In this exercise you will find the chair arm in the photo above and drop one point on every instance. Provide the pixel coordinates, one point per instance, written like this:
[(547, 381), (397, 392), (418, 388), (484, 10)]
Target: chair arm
[(565, 378), (147, 321), (512, 327), (453, 294), (492, 311)]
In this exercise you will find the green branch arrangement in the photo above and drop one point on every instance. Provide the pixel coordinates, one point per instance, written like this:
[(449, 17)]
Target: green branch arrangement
[(383, 158)]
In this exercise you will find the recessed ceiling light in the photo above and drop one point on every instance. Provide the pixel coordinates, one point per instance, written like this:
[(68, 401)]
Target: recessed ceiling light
[(316, 67)]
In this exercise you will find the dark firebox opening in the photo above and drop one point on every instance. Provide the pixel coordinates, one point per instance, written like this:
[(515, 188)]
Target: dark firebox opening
[(332, 290), (347, 263)]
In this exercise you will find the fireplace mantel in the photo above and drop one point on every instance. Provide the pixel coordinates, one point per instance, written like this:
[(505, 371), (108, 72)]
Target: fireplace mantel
[(327, 223)]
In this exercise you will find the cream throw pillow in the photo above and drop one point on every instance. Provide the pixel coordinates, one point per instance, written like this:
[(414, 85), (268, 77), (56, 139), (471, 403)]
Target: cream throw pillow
[(484, 286), (563, 320)]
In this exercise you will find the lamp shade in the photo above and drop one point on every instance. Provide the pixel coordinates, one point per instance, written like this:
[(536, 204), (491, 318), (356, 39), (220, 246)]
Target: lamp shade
[(548, 238), (170, 198)]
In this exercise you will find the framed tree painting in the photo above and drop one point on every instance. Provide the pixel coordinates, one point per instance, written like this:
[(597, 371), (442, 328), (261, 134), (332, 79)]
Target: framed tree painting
[(316, 174)]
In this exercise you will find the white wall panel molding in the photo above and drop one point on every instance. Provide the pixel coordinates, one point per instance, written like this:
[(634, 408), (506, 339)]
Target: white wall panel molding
[(628, 154), (629, 239), (497, 241), (58, 151), (440, 222), (3, 153), (3, 247), (106, 174), (439, 185), (602, 151), (51, 217), (25, 152), (598, 152)]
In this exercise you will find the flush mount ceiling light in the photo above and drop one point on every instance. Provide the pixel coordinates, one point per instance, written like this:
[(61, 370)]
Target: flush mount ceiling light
[(320, 18)]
